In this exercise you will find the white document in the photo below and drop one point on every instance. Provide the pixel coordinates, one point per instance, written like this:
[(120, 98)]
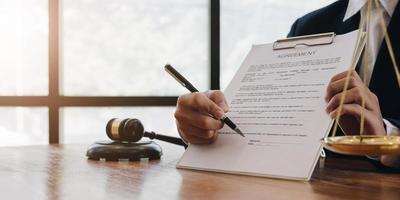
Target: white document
[(277, 99)]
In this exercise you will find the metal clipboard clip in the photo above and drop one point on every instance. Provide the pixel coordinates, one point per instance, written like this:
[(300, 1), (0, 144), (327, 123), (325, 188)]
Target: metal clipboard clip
[(308, 40)]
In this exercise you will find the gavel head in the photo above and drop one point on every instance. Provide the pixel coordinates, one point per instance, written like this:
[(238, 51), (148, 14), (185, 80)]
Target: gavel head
[(125, 130)]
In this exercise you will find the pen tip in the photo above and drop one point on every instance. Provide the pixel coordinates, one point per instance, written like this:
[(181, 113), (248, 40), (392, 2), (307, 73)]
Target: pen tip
[(237, 130)]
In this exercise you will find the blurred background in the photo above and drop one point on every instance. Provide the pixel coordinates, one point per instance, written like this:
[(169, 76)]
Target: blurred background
[(117, 48)]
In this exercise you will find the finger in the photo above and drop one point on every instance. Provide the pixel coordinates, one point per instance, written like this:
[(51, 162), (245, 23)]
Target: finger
[(353, 96), (338, 87), (354, 110), (344, 75), (197, 119), (203, 141), (193, 133), (200, 102), (373, 124), (218, 97)]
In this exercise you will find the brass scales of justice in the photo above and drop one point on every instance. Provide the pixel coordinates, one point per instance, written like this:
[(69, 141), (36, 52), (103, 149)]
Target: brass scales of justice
[(362, 144)]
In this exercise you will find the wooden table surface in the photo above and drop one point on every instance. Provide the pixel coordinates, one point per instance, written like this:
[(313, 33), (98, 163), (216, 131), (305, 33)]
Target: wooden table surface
[(63, 172)]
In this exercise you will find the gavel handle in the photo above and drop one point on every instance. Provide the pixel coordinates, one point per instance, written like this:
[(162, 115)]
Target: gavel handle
[(165, 138)]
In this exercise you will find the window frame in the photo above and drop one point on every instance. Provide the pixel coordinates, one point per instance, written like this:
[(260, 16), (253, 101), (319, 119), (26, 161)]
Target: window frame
[(54, 101)]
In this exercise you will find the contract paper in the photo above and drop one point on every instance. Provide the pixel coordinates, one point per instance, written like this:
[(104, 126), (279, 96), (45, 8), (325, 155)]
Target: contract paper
[(277, 99)]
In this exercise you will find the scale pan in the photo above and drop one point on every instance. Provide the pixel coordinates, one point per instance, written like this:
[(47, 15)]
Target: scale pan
[(371, 145)]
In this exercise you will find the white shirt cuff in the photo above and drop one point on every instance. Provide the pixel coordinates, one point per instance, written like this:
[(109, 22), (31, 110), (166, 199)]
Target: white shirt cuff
[(391, 129)]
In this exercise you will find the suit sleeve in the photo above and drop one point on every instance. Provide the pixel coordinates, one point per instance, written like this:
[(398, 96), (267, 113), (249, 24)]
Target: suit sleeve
[(394, 122), (292, 32)]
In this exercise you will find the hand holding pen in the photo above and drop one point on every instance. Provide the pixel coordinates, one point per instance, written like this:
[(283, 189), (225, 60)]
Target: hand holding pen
[(200, 115)]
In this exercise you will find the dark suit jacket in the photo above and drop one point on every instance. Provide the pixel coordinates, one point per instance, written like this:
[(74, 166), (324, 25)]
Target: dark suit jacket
[(383, 81)]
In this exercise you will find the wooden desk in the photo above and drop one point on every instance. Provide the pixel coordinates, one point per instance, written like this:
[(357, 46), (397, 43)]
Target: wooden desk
[(63, 172)]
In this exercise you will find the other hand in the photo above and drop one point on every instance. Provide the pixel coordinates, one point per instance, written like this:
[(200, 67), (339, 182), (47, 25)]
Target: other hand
[(352, 107)]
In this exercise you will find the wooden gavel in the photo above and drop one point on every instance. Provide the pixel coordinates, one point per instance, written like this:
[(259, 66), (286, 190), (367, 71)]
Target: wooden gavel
[(132, 130)]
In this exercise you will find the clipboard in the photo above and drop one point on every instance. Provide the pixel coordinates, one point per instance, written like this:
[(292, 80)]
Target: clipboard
[(308, 40)]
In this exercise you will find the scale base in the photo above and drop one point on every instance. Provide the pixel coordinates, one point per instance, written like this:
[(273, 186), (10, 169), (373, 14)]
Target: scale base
[(114, 151)]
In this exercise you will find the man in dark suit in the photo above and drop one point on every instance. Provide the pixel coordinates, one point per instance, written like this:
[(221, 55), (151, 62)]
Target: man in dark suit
[(382, 102)]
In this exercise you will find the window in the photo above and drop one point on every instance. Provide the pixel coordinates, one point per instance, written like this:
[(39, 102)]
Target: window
[(69, 66), (23, 70), (119, 47), (24, 47), (23, 126)]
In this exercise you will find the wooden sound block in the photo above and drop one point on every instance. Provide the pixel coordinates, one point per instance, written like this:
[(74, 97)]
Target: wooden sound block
[(114, 151)]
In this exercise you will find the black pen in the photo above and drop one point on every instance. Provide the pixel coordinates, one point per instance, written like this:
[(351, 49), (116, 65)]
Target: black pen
[(185, 83)]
